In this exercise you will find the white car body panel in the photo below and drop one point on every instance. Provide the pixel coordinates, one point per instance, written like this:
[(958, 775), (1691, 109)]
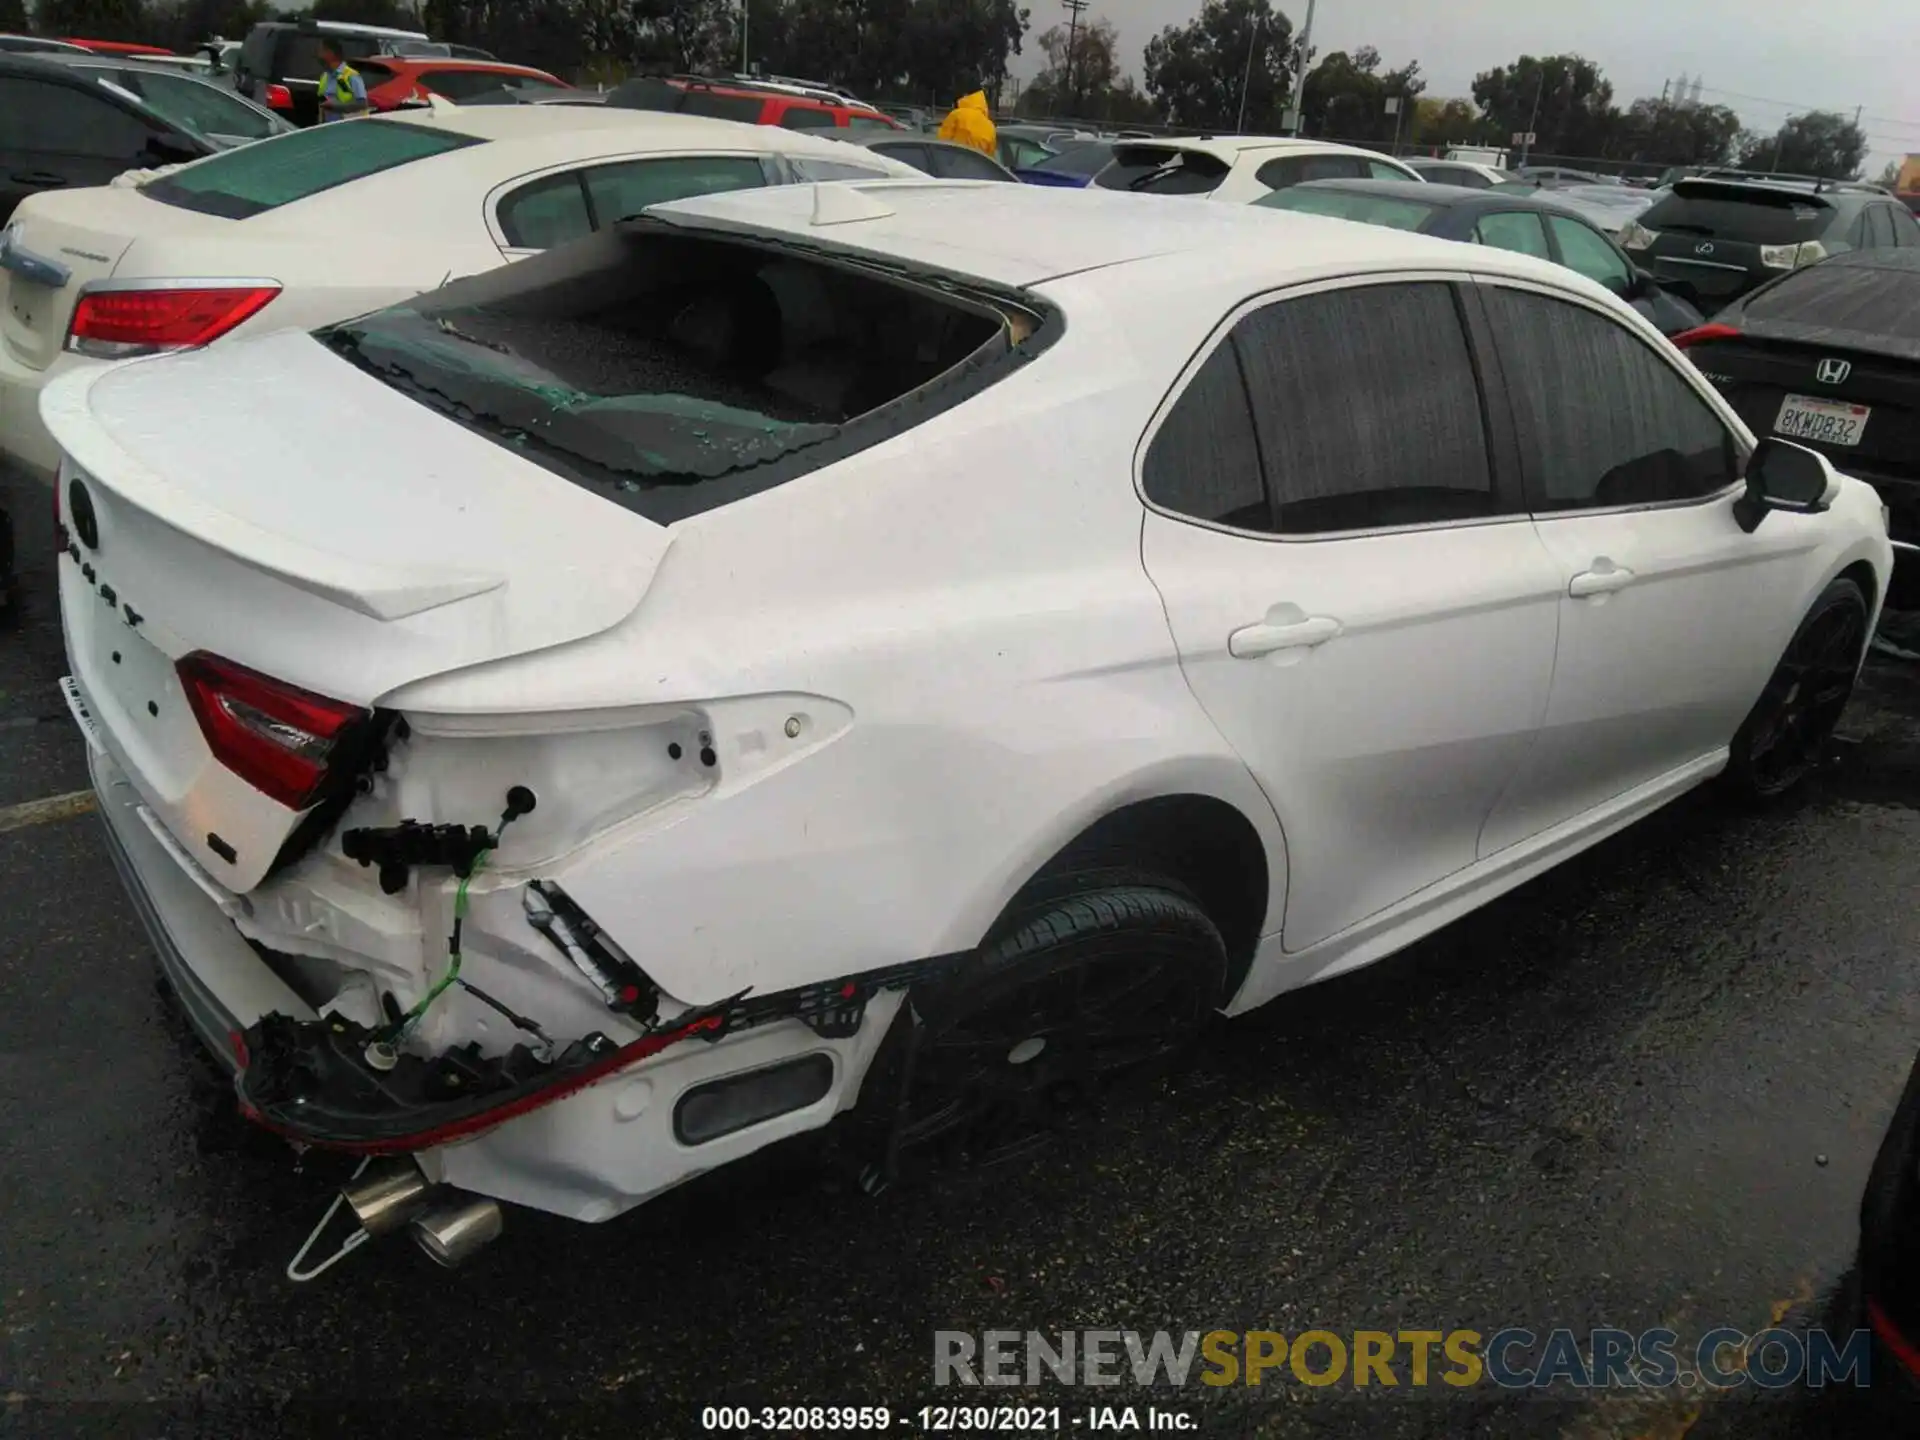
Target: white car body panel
[(1247, 153), (920, 671), (339, 253)]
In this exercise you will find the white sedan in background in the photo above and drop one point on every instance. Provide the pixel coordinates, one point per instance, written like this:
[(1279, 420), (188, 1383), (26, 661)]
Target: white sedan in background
[(1239, 169), (1073, 613), (336, 220)]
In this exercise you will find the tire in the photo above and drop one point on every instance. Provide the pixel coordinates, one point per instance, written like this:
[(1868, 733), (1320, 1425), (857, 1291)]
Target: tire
[(1784, 738), (1075, 991)]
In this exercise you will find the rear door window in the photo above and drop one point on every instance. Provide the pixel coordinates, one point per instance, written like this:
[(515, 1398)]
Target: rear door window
[(1906, 230), (1338, 380), (905, 153), (1388, 210), (1584, 250), (50, 118), (547, 212), (1381, 170), (1204, 462), (1880, 227), (625, 189), (1294, 169), (1627, 431), (261, 177), (1516, 230)]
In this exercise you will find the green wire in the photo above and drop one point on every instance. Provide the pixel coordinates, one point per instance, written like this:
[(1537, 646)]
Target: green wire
[(453, 951)]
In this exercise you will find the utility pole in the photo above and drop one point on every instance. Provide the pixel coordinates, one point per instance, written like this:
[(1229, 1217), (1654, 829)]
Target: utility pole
[(1526, 142), (1665, 85), (743, 38), (1074, 7), (1246, 80), (1300, 73)]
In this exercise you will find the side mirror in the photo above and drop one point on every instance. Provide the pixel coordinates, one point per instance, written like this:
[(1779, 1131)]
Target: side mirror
[(1783, 476)]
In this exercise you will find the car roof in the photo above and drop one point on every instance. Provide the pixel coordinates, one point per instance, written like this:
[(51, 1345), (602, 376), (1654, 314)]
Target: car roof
[(1022, 235), (1230, 147), (1451, 196), (344, 27), (505, 124), (147, 63)]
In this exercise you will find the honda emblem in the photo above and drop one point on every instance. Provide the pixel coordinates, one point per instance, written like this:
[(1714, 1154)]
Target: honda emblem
[(1832, 372), (1705, 247)]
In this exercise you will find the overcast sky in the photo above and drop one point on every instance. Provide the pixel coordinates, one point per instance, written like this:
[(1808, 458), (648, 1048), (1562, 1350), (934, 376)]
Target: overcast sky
[(1834, 54)]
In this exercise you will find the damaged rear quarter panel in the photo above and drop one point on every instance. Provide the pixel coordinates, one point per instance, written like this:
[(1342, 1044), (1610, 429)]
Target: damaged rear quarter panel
[(971, 593)]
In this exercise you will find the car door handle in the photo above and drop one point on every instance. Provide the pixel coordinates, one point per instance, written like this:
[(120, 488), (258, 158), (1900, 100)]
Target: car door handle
[(43, 178), (1603, 578), (1285, 628)]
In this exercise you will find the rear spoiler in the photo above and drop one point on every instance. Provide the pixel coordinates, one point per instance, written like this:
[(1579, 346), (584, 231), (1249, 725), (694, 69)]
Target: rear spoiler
[(1780, 196)]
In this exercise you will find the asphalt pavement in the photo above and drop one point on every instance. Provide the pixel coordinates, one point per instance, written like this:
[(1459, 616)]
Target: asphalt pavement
[(1643, 1090)]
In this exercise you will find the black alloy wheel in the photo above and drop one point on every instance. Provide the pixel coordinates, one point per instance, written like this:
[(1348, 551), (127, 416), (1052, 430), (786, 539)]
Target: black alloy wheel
[(1074, 993), (1784, 738)]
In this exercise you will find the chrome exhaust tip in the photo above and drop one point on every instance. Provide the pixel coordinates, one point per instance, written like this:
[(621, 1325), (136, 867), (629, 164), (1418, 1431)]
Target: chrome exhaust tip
[(452, 1233), (389, 1197)]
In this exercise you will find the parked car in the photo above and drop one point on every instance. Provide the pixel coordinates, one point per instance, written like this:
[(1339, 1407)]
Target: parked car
[(1612, 207), (1073, 168), (394, 80), (1460, 172), (62, 128), (1829, 356), (433, 193), (911, 117), (1531, 224), (934, 157), (1562, 175), (279, 65), (752, 105), (707, 635), (38, 45), (1714, 239), (1238, 168), (194, 103)]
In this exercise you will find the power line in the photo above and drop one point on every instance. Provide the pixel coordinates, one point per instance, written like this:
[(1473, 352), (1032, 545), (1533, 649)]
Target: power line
[(1800, 105)]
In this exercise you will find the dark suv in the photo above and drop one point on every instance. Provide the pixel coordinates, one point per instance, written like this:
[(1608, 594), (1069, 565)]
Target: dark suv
[(1714, 238), (279, 65)]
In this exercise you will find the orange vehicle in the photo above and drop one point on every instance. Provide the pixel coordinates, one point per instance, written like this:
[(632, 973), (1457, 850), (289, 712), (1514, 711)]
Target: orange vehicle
[(393, 80)]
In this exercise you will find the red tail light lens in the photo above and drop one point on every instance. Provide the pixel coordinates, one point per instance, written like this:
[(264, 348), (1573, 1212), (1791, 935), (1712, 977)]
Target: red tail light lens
[(276, 737), (1701, 334), (279, 97), (112, 323)]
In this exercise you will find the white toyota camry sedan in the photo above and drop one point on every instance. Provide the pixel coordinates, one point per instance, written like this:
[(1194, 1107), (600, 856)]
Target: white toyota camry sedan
[(913, 643), (330, 222)]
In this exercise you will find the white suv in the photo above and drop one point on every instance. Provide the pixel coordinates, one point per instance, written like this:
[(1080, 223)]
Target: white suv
[(968, 628), (1239, 169)]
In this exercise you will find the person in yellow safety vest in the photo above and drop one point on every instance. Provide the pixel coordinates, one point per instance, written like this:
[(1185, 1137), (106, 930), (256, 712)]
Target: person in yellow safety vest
[(342, 91), (968, 123)]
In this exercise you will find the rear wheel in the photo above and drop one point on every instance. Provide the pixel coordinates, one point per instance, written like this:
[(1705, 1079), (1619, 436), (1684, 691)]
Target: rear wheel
[(1072, 993), (1784, 738)]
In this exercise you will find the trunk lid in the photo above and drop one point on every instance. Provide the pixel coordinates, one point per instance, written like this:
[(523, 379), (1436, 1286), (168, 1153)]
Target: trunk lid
[(86, 233), (346, 569)]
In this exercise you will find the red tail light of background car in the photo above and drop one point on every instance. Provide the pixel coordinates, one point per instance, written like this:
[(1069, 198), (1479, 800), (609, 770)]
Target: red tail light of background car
[(111, 324)]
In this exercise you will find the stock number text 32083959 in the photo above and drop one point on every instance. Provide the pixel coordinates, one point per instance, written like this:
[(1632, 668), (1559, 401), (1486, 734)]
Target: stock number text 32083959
[(927, 1420)]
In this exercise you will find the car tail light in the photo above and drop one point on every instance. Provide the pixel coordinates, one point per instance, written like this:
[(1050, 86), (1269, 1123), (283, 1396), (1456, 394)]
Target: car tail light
[(278, 97), (1792, 257), (1701, 334), (276, 737), (112, 324)]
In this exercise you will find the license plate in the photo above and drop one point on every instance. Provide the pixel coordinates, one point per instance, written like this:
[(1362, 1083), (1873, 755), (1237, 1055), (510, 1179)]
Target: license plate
[(1831, 422)]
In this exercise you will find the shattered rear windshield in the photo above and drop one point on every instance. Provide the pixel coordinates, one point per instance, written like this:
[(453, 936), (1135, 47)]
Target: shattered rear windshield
[(673, 373)]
